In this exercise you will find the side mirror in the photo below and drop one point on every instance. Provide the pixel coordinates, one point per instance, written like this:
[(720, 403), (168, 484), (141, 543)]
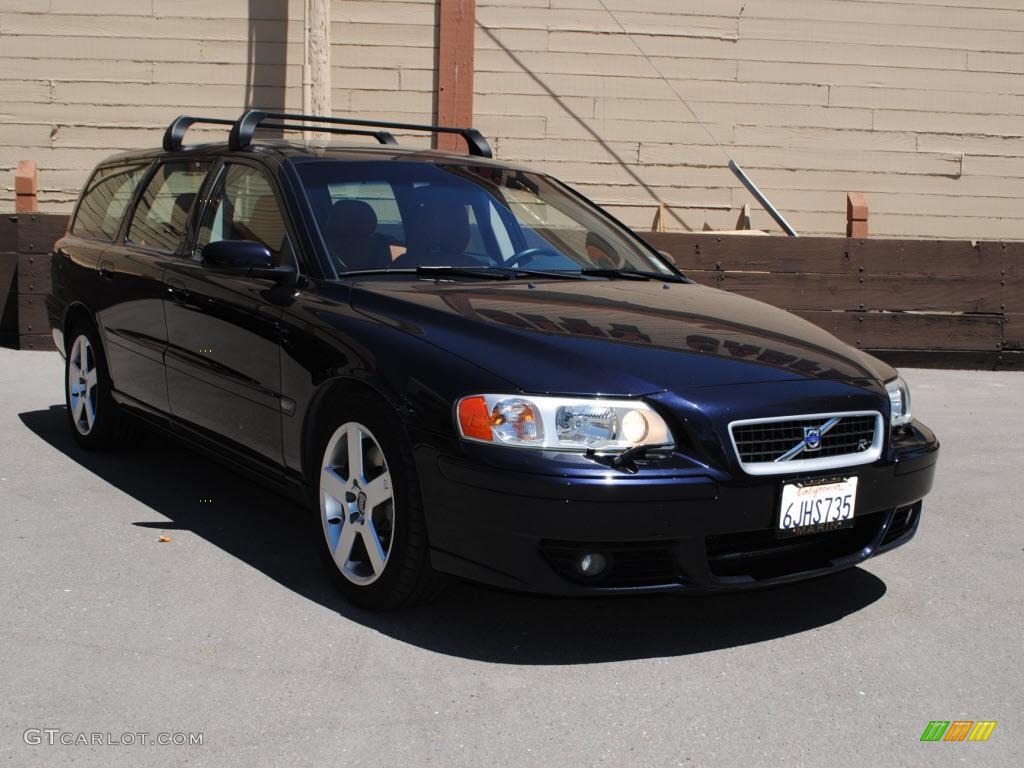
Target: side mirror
[(244, 257)]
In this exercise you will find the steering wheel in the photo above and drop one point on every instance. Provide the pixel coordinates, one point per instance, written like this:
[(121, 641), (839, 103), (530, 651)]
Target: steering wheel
[(525, 256)]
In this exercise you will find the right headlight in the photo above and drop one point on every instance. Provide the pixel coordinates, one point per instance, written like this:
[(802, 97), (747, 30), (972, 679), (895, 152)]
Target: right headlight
[(561, 423), (899, 399)]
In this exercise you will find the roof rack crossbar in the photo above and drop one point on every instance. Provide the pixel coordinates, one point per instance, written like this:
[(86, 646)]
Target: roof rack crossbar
[(175, 132), (383, 137), (242, 131)]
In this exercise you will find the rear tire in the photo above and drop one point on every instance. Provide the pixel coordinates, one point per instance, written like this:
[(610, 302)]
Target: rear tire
[(96, 421), (373, 539)]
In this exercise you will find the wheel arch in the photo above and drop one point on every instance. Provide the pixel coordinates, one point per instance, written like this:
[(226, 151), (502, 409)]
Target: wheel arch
[(76, 313), (328, 393)]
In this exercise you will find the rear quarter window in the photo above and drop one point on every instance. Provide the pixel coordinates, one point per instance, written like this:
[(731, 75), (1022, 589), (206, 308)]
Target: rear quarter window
[(104, 201)]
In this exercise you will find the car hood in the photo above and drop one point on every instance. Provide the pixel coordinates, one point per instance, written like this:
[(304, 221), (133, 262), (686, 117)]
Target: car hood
[(614, 337)]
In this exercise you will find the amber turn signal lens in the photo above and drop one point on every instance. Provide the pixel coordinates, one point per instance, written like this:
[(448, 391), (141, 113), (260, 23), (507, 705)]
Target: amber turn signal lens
[(474, 420)]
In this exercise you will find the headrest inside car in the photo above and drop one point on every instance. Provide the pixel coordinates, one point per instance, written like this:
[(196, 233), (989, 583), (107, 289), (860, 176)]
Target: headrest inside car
[(351, 218)]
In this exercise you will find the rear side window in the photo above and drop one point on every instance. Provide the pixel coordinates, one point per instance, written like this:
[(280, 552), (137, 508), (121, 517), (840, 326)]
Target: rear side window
[(162, 213), (104, 201)]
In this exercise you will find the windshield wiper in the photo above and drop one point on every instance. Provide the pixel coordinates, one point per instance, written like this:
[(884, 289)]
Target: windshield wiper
[(571, 275), (486, 273), (631, 274)]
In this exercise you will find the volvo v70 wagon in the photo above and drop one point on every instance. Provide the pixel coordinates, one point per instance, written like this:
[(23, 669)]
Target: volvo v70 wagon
[(467, 369)]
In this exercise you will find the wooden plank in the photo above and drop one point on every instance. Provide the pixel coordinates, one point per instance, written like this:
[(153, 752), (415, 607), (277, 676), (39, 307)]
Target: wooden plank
[(8, 234), (1010, 361), (836, 255), (1013, 331), (32, 317), (455, 53), (850, 292), (34, 284), (36, 342), (747, 252), (904, 330), (974, 360), (8, 294), (34, 264), (977, 293), (930, 258), (796, 291), (1010, 257), (37, 232)]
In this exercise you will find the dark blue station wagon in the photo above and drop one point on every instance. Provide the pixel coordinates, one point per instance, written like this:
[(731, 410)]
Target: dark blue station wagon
[(467, 369)]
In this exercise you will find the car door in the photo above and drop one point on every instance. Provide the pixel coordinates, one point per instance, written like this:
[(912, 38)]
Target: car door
[(132, 321), (224, 347), (97, 220)]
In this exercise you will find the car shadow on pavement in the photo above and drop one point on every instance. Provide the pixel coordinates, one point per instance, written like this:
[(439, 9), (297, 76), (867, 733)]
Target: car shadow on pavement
[(271, 534)]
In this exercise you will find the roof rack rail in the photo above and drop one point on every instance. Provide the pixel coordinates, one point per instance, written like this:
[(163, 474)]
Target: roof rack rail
[(384, 137), (244, 128), (175, 132)]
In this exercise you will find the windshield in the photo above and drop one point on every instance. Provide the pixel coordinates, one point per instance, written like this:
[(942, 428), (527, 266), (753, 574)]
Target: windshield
[(396, 215)]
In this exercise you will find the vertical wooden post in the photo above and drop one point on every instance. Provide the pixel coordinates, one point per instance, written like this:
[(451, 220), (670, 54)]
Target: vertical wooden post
[(316, 75), (455, 54), (856, 215), (26, 187)]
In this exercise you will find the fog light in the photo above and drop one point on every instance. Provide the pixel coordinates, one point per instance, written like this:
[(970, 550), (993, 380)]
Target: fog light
[(591, 564)]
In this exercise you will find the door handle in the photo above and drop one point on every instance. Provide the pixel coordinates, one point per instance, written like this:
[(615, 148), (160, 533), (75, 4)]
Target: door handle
[(106, 269), (178, 291)]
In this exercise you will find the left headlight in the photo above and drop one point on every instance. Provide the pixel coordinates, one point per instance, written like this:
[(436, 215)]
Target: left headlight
[(558, 423), (899, 398)]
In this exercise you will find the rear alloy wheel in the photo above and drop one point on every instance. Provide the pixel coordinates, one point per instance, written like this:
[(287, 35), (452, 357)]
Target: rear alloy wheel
[(373, 529), (82, 378), (97, 422)]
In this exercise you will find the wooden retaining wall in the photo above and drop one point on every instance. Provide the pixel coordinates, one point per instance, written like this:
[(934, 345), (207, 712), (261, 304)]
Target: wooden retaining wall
[(939, 303), (953, 304), (25, 244)]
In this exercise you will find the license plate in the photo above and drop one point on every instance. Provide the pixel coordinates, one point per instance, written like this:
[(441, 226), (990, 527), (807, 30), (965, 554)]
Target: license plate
[(811, 506)]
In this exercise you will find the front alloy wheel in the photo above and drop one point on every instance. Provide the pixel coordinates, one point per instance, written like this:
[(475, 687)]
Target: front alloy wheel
[(372, 528), (357, 506)]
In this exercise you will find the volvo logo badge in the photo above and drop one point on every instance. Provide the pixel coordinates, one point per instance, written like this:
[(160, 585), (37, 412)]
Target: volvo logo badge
[(812, 438)]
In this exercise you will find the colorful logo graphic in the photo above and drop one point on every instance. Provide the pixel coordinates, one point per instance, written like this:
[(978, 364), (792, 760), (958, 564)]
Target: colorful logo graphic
[(958, 730)]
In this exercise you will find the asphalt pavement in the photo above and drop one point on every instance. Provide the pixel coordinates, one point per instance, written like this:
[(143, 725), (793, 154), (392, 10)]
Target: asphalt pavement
[(229, 633)]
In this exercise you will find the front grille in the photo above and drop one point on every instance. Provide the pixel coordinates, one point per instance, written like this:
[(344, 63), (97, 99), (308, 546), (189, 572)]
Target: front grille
[(762, 555), (636, 564), (766, 442)]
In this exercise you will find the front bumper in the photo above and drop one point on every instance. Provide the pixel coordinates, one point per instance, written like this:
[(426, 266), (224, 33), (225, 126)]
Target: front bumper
[(688, 533)]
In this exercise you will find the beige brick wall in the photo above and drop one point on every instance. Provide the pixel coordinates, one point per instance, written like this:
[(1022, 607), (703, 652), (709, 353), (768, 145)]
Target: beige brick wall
[(918, 103), (82, 79)]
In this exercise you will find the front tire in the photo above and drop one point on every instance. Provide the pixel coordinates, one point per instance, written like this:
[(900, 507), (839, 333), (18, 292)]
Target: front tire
[(95, 419), (374, 539)]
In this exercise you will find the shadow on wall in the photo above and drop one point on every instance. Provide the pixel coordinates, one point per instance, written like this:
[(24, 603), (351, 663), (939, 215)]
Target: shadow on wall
[(266, 72), (276, 537), (583, 123)]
